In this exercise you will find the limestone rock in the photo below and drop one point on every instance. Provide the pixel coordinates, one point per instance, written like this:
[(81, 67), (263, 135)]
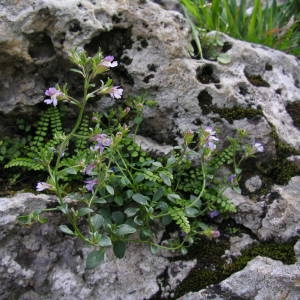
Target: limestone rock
[(262, 278), (282, 220)]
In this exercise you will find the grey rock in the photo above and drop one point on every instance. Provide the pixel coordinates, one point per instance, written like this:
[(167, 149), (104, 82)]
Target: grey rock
[(263, 278), (238, 244), (297, 251), (253, 184), (282, 220), (249, 213), (296, 160)]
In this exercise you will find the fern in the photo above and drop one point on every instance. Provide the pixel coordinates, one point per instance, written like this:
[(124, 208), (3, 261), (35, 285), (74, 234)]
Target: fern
[(83, 133), (177, 214), (218, 201), (225, 157), (25, 162)]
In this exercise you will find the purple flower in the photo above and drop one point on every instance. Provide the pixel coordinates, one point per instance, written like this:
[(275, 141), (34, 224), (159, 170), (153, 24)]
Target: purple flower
[(90, 183), (213, 214), (53, 93), (210, 138), (108, 62), (215, 233), (115, 92), (43, 186), (258, 147), (102, 141), (232, 178), (88, 170)]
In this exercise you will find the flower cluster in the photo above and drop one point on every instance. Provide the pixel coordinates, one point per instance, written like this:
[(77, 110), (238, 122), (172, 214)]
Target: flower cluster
[(210, 138), (102, 141), (54, 95)]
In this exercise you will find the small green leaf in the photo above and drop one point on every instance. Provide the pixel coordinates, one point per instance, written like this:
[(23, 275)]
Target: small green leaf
[(119, 200), (141, 199), (183, 250), (105, 241), (97, 221), (138, 120), (25, 219), (118, 217), (154, 249), (131, 211), (173, 197), (100, 201), (224, 58), (165, 178), (94, 258), (119, 248), (137, 220), (84, 211), (158, 194), (66, 229), (125, 229), (139, 178), (191, 212), (166, 220), (110, 189)]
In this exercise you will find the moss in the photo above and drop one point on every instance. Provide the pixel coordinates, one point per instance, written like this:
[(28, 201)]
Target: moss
[(236, 113), (211, 269)]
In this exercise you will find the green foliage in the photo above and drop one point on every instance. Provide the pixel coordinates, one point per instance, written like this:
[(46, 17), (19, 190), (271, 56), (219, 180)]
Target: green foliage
[(117, 193), (272, 25)]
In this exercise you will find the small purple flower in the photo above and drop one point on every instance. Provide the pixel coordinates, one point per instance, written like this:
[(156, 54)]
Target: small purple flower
[(102, 141), (115, 92), (213, 214), (210, 138), (90, 183), (53, 93), (258, 147), (232, 178), (43, 186), (215, 233), (108, 62), (88, 170)]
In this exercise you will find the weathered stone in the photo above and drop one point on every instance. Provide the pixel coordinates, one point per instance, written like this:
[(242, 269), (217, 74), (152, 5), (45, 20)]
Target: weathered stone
[(238, 244), (249, 213), (262, 278), (282, 220), (253, 184)]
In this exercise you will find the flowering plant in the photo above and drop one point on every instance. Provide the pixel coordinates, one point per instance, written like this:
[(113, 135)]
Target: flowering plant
[(124, 193)]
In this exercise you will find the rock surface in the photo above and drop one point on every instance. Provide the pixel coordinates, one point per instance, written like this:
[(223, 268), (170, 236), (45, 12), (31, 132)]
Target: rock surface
[(36, 36), (39, 262), (262, 278)]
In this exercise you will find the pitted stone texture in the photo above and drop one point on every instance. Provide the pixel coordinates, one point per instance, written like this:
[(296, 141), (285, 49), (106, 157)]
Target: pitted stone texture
[(39, 262), (262, 278), (282, 220), (36, 36)]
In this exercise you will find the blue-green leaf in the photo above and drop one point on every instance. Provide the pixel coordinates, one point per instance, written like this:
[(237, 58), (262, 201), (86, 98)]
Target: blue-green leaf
[(166, 178), (66, 229), (94, 258), (110, 189), (97, 221), (125, 229), (105, 241), (191, 212), (119, 249), (84, 211), (131, 211), (141, 199)]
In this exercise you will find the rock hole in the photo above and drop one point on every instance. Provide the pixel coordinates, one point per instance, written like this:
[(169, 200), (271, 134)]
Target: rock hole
[(205, 101), (278, 91), (152, 67), (268, 67), (227, 46), (297, 83), (147, 78), (126, 60), (112, 42), (40, 46), (256, 79), (243, 90), (293, 109), (205, 74), (74, 26)]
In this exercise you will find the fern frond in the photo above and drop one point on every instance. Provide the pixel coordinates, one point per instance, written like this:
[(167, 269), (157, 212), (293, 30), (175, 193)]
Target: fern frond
[(225, 157), (83, 133), (218, 201), (25, 162), (177, 214)]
